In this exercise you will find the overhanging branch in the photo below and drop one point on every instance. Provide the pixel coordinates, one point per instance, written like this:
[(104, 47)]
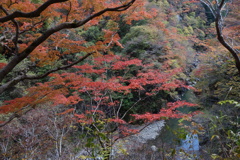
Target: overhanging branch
[(32, 14), (67, 25), (18, 79)]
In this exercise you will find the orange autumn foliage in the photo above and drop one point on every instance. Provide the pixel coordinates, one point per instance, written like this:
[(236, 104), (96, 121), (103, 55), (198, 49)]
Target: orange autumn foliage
[(71, 88), (45, 29)]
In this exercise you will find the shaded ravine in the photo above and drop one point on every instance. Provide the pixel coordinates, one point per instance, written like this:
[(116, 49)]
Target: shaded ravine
[(154, 141), (172, 137)]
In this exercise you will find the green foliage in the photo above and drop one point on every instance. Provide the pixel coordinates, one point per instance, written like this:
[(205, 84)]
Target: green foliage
[(149, 33), (97, 140), (227, 87), (163, 4), (200, 34), (2, 57), (225, 133), (142, 42), (93, 34), (194, 21), (230, 102), (222, 129), (37, 1)]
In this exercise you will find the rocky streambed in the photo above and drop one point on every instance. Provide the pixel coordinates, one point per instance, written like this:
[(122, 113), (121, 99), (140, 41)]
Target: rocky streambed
[(138, 146)]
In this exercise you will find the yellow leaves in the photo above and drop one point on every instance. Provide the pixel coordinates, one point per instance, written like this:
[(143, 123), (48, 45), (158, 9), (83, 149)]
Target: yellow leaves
[(214, 136), (83, 157), (112, 26), (96, 54), (215, 156), (37, 35)]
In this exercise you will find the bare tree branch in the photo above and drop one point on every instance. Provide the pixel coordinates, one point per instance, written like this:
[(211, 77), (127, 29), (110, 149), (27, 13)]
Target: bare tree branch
[(15, 40), (31, 27), (32, 14), (16, 80), (219, 20), (221, 39), (17, 114)]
